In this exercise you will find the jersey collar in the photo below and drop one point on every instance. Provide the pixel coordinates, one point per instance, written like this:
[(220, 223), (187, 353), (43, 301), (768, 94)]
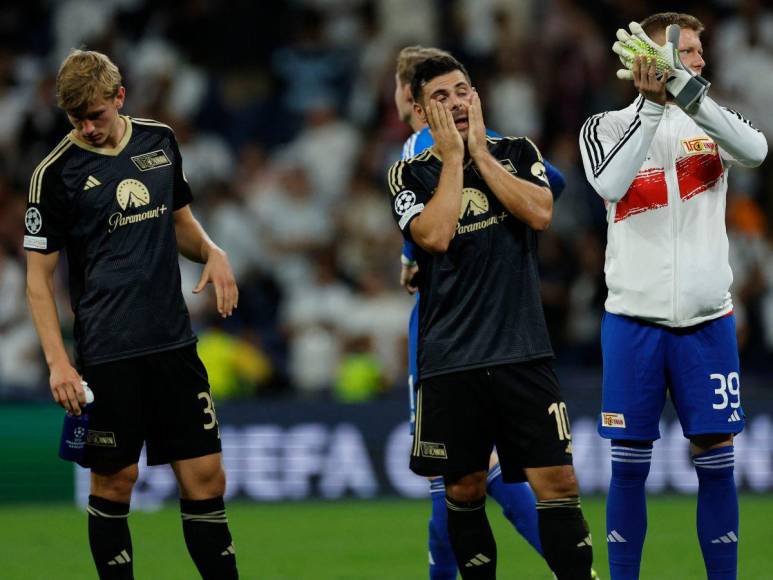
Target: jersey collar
[(436, 154), (109, 151)]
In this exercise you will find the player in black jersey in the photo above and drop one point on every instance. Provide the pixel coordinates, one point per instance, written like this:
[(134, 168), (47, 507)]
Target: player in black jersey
[(113, 195), (474, 206)]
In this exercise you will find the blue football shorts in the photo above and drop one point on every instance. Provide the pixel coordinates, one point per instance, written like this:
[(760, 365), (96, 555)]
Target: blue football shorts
[(643, 362)]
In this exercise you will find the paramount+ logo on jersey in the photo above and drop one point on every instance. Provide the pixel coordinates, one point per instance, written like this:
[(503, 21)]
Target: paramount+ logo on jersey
[(133, 194), (474, 211)]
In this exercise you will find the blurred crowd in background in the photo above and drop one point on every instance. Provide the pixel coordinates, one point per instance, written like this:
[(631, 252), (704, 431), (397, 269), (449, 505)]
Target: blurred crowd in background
[(284, 111)]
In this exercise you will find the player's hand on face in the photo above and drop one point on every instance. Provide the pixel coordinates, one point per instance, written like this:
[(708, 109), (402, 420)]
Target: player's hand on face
[(476, 134), (447, 138), (218, 271), (646, 82), (407, 274), (66, 388)]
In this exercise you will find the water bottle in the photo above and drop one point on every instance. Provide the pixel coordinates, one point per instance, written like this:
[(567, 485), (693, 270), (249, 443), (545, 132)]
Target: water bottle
[(75, 429)]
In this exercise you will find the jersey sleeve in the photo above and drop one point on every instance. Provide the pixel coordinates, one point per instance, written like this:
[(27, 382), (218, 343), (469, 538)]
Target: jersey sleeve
[(181, 195), (740, 142), (613, 150), (47, 218), (409, 251), (409, 196), (555, 179)]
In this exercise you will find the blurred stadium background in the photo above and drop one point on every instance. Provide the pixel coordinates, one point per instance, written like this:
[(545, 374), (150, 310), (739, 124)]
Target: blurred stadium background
[(285, 117)]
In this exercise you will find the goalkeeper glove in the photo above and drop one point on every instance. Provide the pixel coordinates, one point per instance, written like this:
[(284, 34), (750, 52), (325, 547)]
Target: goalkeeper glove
[(687, 88)]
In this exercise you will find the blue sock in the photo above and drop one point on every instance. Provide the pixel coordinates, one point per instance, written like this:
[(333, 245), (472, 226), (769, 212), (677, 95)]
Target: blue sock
[(518, 505), (627, 509), (442, 564), (717, 512)]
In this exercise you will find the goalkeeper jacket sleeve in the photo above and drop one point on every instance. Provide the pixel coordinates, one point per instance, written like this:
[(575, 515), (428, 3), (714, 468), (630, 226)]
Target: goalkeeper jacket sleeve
[(744, 144), (614, 146)]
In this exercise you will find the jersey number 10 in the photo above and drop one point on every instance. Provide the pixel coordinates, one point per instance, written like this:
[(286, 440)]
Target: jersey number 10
[(562, 420)]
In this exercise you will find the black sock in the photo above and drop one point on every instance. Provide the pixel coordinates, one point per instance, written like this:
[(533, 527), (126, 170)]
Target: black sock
[(205, 528), (471, 539), (109, 538), (565, 537)]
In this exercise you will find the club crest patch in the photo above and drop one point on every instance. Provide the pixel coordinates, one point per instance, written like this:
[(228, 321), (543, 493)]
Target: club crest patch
[(433, 450), (699, 146), (101, 439), (614, 420), (152, 160)]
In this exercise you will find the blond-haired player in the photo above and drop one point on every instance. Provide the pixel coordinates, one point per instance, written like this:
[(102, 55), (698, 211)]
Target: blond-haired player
[(113, 195)]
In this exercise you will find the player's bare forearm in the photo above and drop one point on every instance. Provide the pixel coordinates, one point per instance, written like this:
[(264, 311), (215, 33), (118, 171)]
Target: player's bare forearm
[(42, 305), (526, 201), (64, 380), (192, 241), (435, 227)]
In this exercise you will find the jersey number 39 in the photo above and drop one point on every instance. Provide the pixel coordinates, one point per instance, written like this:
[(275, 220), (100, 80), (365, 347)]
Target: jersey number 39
[(731, 385)]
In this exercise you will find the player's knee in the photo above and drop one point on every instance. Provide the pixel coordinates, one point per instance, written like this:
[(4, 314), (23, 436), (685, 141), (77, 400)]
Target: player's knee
[(703, 443), (554, 482), (115, 485), (470, 487), (203, 484), (565, 484)]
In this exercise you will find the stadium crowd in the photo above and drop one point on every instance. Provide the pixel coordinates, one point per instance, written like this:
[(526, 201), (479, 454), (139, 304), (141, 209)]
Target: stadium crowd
[(285, 117)]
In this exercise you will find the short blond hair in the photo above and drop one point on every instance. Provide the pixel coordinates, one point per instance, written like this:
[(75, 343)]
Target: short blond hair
[(410, 57), (85, 77), (658, 22)]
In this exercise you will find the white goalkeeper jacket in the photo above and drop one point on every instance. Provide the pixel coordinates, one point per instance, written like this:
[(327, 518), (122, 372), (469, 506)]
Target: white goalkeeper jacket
[(663, 176)]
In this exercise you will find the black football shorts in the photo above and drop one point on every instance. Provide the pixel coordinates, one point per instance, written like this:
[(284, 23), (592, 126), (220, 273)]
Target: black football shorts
[(161, 399), (517, 408)]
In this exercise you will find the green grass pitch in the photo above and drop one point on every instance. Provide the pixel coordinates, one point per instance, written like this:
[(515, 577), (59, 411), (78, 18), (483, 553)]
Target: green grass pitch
[(354, 540)]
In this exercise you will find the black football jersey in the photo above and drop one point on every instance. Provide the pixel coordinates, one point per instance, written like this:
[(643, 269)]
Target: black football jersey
[(111, 210), (479, 302)]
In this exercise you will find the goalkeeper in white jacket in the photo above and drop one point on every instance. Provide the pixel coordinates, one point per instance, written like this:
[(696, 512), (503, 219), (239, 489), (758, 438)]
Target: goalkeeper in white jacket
[(661, 167)]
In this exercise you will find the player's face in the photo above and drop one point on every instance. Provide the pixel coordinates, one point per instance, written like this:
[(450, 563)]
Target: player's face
[(403, 100), (100, 124), (454, 92), (690, 48)]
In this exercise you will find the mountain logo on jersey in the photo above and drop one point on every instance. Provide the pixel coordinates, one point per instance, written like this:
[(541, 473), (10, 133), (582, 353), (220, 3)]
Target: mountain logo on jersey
[(33, 220), (474, 203), (132, 193), (152, 160)]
